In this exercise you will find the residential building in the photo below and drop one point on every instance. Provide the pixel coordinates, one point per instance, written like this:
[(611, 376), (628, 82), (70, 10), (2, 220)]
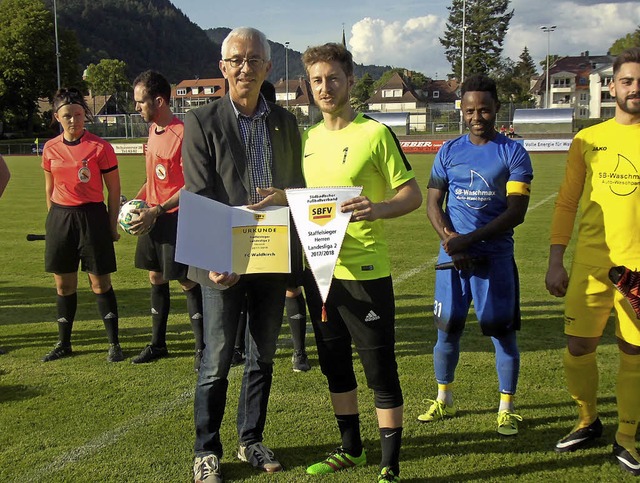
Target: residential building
[(396, 95), (579, 82), (297, 95), (192, 93), (99, 105), (431, 108)]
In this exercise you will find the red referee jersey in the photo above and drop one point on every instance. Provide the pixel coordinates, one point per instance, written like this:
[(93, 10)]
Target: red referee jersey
[(164, 162), (77, 168)]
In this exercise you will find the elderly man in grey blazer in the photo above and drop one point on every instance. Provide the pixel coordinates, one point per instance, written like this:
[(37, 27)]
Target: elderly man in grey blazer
[(239, 150)]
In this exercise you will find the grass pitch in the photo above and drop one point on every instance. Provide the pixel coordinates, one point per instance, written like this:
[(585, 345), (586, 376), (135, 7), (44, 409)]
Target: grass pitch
[(82, 419)]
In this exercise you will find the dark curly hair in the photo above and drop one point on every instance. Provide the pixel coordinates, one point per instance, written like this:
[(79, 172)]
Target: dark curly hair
[(482, 83)]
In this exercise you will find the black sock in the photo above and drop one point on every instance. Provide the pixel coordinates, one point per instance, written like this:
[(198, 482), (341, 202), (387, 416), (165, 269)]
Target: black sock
[(108, 310), (390, 441), (66, 305), (160, 305), (297, 317), (349, 425), (194, 307)]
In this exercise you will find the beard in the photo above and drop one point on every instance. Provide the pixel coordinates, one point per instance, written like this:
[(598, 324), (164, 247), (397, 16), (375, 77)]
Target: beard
[(626, 104)]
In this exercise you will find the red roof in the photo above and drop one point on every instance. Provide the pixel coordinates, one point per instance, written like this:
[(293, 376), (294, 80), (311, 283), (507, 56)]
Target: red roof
[(218, 86)]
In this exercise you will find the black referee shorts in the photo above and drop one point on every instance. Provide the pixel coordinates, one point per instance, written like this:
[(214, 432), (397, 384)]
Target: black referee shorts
[(156, 251), (79, 234)]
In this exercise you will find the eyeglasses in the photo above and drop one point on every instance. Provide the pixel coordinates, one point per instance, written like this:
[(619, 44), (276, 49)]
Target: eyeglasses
[(238, 62)]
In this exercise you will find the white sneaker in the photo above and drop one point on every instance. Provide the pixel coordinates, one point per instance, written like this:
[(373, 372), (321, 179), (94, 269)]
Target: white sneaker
[(260, 457), (206, 469)]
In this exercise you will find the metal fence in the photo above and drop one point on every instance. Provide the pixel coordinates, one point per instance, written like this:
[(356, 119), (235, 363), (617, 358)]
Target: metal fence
[(113, 126), (121, 126), (132, 126)]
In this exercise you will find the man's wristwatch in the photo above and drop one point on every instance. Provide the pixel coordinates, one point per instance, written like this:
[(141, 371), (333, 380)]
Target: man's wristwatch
[(161, 209)]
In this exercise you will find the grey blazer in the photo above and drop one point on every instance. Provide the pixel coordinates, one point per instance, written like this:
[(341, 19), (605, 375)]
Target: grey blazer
[(215, 164)]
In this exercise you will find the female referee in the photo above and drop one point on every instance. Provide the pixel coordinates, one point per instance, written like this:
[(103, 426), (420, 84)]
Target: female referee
[(79, 228)]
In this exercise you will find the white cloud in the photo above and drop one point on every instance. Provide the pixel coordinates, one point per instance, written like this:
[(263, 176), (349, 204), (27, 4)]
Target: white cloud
[(412, 43), (590, 25), (580, 27)]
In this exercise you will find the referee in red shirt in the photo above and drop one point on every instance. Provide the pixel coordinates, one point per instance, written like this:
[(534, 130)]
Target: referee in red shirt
[(155, 251), (79, 228)]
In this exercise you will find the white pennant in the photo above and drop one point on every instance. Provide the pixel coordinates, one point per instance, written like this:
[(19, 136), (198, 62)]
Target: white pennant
[(321, 227)]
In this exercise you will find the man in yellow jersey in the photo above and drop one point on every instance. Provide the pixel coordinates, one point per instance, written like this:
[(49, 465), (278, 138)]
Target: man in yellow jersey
[(602, 177), (350, 149)]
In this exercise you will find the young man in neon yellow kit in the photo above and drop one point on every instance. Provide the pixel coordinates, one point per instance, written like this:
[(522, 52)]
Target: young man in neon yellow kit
[(349, 149), (602, 177)]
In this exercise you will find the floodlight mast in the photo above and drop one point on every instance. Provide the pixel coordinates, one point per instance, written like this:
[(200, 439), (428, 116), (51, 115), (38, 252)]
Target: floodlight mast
[(548, 30), (464, 32), (286, 72), (55, 28)]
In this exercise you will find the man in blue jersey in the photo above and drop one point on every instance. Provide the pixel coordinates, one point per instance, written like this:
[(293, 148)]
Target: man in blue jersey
[(484, 177)]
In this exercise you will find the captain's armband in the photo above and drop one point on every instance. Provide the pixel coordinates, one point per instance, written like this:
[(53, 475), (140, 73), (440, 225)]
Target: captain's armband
[(518, 188)]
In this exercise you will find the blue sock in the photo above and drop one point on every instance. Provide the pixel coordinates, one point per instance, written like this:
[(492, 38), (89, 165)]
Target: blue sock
[(446, 354), (507, 362)]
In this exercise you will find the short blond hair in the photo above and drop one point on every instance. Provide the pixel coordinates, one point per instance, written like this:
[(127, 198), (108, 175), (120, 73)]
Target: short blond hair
[(330, 52)]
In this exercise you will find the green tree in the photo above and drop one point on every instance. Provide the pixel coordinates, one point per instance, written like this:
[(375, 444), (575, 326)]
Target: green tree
[(361, 91), (526, 67), (108, 77), (384, 78), (552, 60), (629, 40), (27, 57), (513, 81), (486, 25), (515, 84), (418, 80)]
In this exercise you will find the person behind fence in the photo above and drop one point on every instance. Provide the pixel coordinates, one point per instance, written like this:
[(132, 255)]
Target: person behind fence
[(155, 250), (80, 230), (485, 179), (237, 150), (601, 179), (350, 149)]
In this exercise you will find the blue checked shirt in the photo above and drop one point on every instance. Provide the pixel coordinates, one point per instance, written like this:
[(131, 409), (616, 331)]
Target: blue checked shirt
[(257, 145)]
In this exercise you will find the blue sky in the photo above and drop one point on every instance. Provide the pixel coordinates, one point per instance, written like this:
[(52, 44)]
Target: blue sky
[(404, 33)]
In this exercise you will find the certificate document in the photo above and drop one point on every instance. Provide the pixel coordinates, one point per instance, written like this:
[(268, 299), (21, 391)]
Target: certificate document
[(223, 238)]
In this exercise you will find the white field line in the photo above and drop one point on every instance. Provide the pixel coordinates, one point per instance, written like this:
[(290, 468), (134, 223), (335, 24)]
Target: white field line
[(542, 202), (107, 438), (403, 277), (111, 437)]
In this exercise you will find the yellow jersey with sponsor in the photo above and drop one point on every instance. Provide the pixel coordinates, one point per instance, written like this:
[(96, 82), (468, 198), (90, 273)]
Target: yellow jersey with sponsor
[(603, 178), (365, 153)]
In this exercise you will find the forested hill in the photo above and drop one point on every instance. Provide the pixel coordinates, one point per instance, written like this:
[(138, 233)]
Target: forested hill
[(146, 34), (296, 69), (154, 34)]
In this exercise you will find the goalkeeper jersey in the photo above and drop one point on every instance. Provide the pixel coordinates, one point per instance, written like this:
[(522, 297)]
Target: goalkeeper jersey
[(602, 177)]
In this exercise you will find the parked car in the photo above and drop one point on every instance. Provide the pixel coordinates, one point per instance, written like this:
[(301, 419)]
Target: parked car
[(440, 127)]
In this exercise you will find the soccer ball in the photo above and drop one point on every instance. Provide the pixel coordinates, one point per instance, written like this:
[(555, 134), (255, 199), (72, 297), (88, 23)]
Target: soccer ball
[(126, 218)]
